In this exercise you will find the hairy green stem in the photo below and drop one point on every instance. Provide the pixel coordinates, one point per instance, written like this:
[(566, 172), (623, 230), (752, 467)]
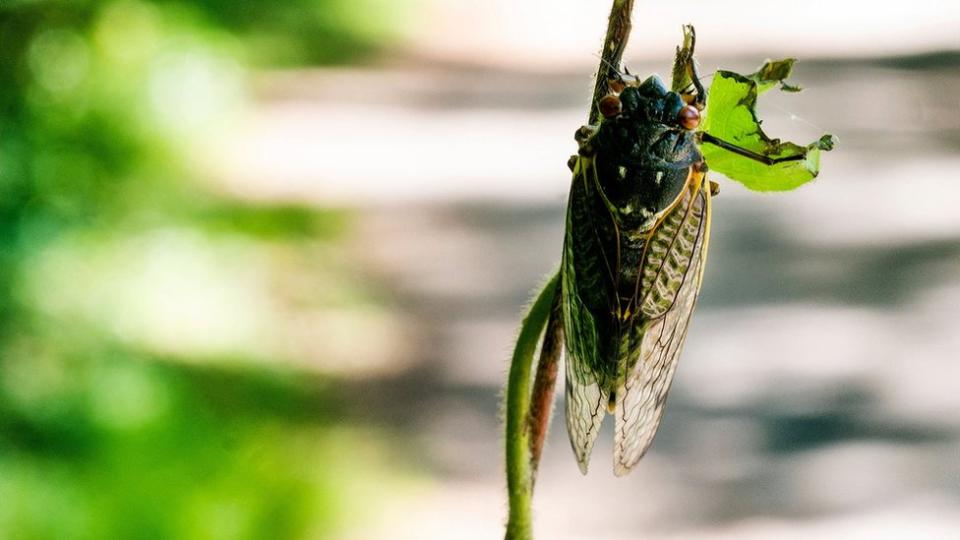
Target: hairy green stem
[(519, 464), (541, 404), (618, 32), (527, 424)]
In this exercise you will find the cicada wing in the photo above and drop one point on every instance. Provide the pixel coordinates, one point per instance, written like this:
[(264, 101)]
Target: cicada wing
[(641, 399), (587, 287), (585, 409)]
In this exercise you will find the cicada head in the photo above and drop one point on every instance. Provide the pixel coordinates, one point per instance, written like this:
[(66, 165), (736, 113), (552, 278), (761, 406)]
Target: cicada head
[(653, 102), (644, 148)]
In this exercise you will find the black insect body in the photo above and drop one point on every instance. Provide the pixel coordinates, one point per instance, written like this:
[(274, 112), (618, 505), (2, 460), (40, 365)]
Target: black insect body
[(637, 232)]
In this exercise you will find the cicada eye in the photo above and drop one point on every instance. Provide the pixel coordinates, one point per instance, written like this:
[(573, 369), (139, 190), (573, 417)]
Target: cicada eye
[(689, 117), (610, 106)]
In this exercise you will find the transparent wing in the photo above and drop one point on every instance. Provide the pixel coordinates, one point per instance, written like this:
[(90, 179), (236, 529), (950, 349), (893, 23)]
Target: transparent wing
[(587, 285), (673, 272), (585, 408)]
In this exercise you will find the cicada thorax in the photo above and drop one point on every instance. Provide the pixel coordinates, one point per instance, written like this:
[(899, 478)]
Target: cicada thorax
[(644, 160), (643, 154)]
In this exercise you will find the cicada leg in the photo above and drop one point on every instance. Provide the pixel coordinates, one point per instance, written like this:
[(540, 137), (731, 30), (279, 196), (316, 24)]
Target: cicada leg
[(583, 135)]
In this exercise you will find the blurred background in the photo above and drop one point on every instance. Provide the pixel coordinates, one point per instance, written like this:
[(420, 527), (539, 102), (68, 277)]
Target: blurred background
[(261, 265)]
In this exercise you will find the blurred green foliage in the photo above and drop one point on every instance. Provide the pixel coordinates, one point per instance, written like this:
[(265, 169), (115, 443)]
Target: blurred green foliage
[(136, 395)]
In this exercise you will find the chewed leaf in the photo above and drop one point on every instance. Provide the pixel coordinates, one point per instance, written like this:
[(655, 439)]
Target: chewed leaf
[(732, 118), (773, 72)]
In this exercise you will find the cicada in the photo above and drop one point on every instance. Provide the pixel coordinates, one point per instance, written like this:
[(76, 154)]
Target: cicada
[(637, 233)]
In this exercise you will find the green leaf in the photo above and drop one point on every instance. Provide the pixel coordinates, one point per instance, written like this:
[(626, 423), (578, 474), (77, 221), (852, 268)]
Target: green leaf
[(773, 72), (732, 117)]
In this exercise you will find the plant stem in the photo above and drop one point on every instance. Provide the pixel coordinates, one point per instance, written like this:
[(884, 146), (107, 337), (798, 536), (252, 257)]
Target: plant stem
[(527, 425), (519, 465), (618, 32), (545, 382)]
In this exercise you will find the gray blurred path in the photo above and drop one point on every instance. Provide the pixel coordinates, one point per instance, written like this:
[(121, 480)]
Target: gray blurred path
[(819, 392)]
